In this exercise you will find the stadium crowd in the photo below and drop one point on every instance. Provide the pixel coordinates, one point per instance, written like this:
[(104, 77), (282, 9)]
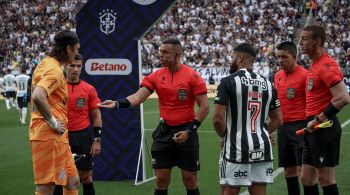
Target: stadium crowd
[(209, 28), (27, 29)]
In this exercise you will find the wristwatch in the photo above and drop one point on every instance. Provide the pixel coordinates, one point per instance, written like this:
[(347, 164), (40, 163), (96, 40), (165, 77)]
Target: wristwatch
[(98, 139)]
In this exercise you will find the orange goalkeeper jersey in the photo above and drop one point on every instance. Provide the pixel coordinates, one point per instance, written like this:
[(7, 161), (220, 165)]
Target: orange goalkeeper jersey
[(49, 75)]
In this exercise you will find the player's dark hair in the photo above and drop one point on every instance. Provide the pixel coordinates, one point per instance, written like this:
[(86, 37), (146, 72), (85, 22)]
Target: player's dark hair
[(175, 42), (78, 57), (317, 32), (62, 40), (246, 48), (288, 46)]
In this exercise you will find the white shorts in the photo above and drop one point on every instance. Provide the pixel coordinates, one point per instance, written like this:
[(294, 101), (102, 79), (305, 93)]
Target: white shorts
[(233, 174)]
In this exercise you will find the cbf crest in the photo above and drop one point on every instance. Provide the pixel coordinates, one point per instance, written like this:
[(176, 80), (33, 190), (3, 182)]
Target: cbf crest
[(290, 93), (107, 21), (310, 84), (182, 94), (80, 102)]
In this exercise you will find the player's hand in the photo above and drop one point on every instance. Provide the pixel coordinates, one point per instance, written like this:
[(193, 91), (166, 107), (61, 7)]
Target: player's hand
[(57, 125), (180, 137), (310, 125), (60, 127), (95, 148), (108, 104)]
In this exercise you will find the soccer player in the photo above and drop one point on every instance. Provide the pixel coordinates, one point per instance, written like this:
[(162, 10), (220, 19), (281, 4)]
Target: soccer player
[(290, 86), (326, 94), (244, 101), (10, 89), (175, 142), (2, 86), (22, 89), (53, 162), (82, 102)]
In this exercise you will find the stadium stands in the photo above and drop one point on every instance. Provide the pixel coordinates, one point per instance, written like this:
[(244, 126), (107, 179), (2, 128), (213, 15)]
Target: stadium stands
[(207, 29)]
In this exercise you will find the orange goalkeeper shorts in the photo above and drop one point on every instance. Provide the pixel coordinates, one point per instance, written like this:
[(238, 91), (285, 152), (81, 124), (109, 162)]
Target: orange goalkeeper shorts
[(53, 162)]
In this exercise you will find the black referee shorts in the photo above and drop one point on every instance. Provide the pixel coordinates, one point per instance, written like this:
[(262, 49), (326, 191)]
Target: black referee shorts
[(80, 143), (322, 147), (166, 153), (290, 146)]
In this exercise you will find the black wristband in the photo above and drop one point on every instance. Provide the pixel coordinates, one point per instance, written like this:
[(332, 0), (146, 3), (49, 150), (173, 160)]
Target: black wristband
[(97, 132), (194, 126), (330, 110), (123, 103)]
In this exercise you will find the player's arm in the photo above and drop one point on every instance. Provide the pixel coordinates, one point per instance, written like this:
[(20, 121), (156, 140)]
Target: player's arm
[(132, 100), (340, 99), (96, 146), (219, 119), (203, 107), (40, 102), (276, 119)]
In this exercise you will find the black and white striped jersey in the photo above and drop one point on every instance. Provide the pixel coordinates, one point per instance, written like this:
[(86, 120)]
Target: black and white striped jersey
[(249, 97)]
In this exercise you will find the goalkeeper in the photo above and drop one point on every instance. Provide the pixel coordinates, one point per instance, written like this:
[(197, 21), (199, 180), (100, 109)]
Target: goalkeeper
[(175, 141)]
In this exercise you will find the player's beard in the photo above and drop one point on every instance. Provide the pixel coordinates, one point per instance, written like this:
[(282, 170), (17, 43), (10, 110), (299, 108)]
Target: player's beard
[(233, 68)]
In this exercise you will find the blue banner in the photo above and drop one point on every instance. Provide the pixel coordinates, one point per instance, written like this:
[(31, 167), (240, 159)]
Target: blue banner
[(109, 31)]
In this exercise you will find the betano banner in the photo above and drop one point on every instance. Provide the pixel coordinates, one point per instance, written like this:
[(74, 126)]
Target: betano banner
[(109, 31)]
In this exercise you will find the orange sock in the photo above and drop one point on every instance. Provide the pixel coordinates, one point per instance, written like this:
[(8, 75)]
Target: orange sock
[(70, 192), (38, 193)]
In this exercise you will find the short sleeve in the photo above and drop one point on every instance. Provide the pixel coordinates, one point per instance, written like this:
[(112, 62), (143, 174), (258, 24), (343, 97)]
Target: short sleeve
[(330, 74), (198, 84), (93, 99), (148, 82), (275, 103), (51, 80), (222, 96)]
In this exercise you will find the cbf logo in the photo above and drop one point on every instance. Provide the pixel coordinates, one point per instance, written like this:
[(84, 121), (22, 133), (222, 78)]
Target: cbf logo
[(107, 21)]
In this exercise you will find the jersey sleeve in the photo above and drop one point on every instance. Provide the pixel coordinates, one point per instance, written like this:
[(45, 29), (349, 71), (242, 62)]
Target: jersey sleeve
[(198, 84), (93, 99), (275, 103), (330, 74), (148, 82), (50, 80), (222, 96)]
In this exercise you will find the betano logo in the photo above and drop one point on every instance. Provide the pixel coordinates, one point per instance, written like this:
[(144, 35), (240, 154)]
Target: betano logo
[(106, 66)]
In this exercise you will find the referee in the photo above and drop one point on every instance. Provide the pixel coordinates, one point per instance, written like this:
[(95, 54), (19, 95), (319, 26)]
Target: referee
[(175, 140), (82, 102), (326, 94), (290, 85)]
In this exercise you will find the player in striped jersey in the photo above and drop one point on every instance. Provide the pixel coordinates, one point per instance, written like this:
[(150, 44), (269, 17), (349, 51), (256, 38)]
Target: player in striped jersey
[(242, 105), (22, 96)]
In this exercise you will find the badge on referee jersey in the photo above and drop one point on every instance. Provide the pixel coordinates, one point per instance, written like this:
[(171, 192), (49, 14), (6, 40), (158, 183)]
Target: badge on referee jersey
[(80, 102), (290, 93), (310, 84), (182, 94)]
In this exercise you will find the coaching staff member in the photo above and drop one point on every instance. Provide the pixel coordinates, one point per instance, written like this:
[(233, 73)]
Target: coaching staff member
[(326, 94), (175, 143), (290, 86)]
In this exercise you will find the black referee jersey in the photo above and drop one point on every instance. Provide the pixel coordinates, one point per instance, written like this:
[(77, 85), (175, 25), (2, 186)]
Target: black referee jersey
[(249, 97)]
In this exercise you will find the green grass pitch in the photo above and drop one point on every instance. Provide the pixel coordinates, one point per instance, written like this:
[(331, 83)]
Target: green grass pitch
[(16, 176)]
